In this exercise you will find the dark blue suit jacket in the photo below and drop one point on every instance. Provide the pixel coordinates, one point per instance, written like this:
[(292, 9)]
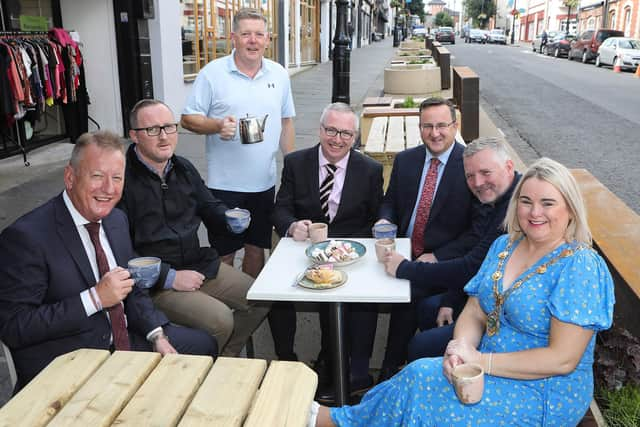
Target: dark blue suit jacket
[(448, 231), (43, 270), (299, 194)]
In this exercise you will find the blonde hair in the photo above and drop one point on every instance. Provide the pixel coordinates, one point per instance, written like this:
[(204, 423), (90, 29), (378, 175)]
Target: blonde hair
[(559, 176)]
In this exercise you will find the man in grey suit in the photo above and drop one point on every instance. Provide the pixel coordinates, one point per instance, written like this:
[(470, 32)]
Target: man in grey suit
[(334, 184), (62, 284)]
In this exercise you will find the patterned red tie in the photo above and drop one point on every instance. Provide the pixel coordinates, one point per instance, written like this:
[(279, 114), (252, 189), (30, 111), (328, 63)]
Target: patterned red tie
[(116, 313), (424, 207)]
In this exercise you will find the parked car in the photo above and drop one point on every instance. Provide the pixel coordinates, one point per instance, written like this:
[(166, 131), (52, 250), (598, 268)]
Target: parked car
[(446, 34), (476, 36), (496, 36), (586, 45), (628, 50), (419, 31), (535, 44), (559, 45)]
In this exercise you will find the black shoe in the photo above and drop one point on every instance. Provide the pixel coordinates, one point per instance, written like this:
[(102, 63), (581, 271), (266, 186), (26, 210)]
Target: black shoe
[(324, 371), (387, 372), (357, 387)]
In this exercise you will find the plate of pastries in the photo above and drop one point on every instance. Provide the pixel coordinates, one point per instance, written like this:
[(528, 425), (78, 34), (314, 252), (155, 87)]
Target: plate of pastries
[(321, 277)]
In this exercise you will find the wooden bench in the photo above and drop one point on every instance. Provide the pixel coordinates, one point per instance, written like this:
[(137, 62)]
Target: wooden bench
[(466, 96), (93, 388), (616, 234)]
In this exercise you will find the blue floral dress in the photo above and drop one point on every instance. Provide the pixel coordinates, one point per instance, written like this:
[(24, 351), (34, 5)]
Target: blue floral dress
[(577, 289)]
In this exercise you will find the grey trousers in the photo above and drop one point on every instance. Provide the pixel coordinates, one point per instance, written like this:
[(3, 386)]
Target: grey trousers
[(219, 307)]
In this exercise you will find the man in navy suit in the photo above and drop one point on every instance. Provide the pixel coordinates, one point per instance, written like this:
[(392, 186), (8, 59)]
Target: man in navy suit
[(54, 298), (348, 202), (429, 200)]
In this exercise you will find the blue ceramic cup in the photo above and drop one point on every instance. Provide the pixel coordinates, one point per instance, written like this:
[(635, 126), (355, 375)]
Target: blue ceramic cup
[(238, 219), (144, 271), (385, 231)]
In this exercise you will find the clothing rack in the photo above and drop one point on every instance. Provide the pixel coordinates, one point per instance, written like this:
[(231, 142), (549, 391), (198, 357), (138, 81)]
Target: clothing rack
[(18, 137)]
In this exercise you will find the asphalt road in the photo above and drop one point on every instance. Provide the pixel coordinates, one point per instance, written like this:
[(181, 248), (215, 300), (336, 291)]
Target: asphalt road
[(580, 115)]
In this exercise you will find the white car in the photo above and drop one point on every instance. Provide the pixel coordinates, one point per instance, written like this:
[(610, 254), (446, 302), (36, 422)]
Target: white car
[(497, 36), (419, 31), (627, 49)]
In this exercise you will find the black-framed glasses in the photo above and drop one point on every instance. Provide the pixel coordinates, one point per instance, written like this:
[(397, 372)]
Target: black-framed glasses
[(440, 126), (155, 130), (347, 135)]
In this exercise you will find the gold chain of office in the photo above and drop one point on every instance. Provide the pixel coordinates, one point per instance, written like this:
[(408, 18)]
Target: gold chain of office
[(493, 319)]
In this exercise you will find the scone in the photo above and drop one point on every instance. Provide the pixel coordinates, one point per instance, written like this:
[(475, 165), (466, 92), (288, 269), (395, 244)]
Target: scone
[(318, 275)]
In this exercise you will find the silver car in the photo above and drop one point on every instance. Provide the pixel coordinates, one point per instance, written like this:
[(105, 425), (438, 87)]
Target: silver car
[(627, 49), (497, 36)]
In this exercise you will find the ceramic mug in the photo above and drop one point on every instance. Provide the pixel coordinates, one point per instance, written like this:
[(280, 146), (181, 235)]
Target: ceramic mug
[(318, 232), (144, 271), (238, 219), (468, 381), (383, 246)]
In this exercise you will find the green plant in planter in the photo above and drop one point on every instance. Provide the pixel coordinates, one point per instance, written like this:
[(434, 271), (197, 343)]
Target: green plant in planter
[(408, 103), (617, 376), (418, 61), (622, 407)]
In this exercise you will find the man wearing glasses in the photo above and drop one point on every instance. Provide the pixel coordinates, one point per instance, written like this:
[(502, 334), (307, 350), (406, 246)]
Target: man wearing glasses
[(243, 175), (333, 184), (166, 201), (430, 202)]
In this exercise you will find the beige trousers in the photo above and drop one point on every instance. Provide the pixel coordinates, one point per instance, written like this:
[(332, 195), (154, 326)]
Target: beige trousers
[(220, 307)]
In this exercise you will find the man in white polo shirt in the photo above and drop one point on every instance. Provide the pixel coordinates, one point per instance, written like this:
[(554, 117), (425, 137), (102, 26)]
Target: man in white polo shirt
[(243, 175)]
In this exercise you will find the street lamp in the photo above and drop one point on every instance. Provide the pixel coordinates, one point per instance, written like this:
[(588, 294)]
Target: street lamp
[(341, 55)]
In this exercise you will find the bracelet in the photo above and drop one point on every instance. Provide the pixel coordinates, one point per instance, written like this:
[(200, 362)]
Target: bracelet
[(490, 363)]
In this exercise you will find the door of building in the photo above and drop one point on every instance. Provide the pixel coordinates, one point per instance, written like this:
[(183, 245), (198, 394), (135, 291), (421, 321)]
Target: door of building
[(309, 31), (134, 53)]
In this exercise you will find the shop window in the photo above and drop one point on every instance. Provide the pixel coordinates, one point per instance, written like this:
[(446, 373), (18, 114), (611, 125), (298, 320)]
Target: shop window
[(206, 30), (612, 20), (627, 22)]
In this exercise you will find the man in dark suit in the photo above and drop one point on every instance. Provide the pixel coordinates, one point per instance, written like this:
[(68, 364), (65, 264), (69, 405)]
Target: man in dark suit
[(61, 284), (429, 200), (334, 184)]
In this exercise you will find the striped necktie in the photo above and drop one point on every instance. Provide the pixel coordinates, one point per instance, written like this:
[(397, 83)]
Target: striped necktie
[(325, 189)]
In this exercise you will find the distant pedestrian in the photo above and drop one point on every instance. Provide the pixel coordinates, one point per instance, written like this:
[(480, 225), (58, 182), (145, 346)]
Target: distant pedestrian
[(243, 175), (544, 38)]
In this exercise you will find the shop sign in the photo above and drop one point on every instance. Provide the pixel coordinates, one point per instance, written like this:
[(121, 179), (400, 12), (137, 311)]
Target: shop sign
[(33, 23)]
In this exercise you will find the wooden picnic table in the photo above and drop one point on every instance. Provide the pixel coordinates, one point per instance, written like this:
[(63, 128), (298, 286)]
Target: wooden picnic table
[(91, 387)]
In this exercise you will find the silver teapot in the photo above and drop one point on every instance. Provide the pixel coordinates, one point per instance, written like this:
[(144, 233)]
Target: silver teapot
[(251, 129)]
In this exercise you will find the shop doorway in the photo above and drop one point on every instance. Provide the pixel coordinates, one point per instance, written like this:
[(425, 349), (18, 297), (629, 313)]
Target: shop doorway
[(308, 31), (134, 53)]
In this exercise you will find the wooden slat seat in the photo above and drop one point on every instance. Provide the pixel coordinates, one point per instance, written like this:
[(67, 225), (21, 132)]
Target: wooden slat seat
[(104, 395), (45, 395), (227, 393), (412, 131), (395, 135), (377, 135), (284, 397), (166, 393)]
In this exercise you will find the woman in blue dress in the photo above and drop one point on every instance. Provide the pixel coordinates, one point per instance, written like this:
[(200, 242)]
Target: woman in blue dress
[(534, 309)]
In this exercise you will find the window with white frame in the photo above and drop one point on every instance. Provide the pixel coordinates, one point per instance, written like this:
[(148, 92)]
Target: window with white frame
[(627, 21)]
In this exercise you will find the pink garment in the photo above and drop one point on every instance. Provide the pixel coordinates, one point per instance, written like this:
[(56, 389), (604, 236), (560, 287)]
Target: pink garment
[(338, 180)]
